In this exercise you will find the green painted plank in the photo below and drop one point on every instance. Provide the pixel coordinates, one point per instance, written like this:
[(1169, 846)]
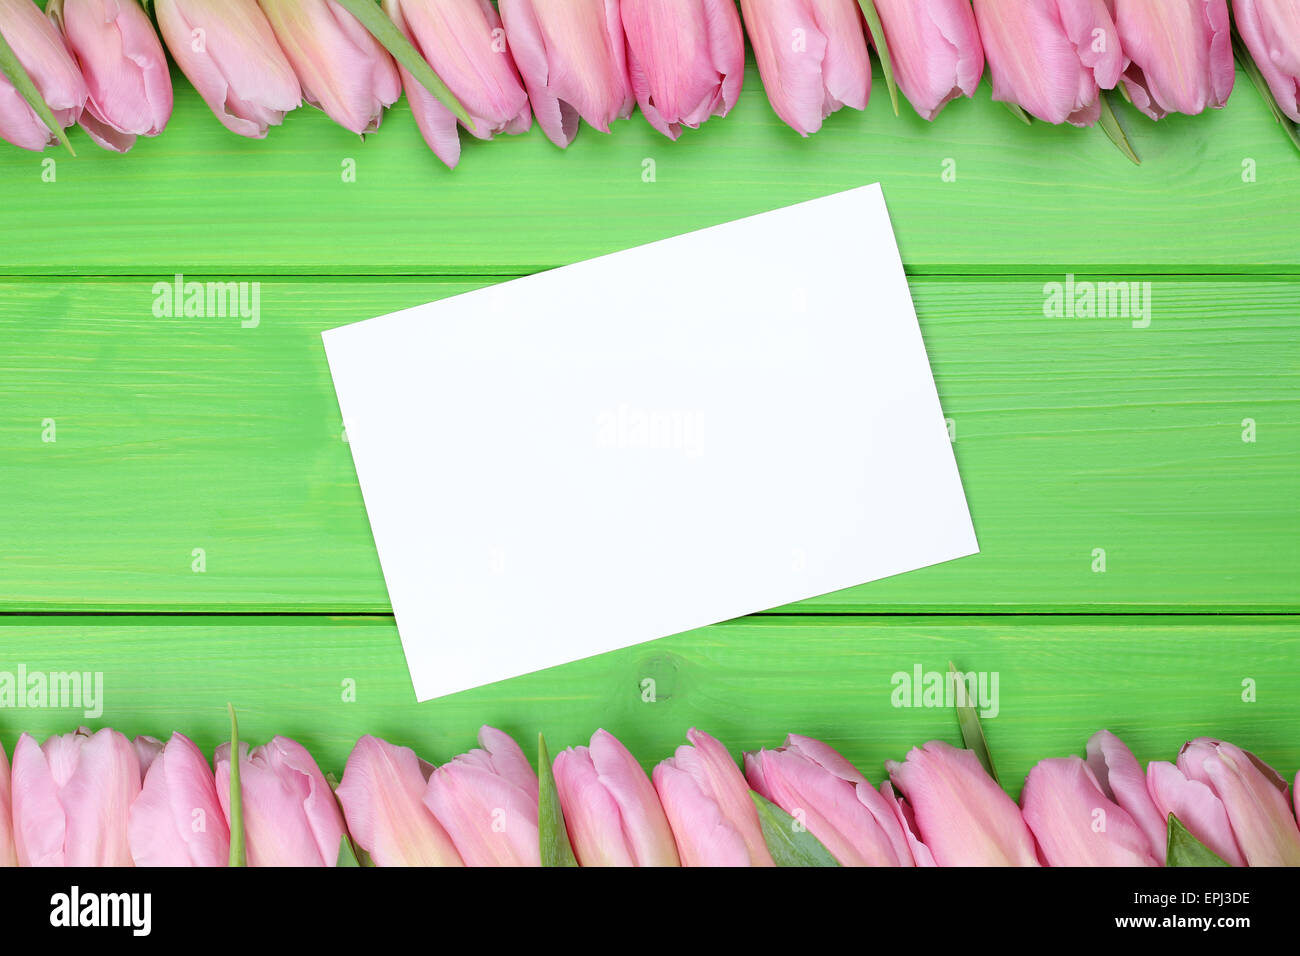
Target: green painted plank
[(200, 199), (1155, 681), (1072, 434)]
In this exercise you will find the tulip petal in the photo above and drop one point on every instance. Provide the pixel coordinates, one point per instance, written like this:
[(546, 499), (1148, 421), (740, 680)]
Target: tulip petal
[(1271, 32), (1180, 53), (1121, 779), (704, 836), (828, 805), (8, 856), (1259, 813), (382, 794), (228, 51), (921, 855), (125, 68), (341, 68), (963, 816), (572, 57), (177, 819), (1073, 821), (935, 49), (97, 798), (486, 800), (40, 825), (1196, 806)]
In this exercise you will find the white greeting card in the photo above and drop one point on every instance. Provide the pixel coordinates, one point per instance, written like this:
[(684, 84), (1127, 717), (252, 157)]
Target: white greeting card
[(648, 442)]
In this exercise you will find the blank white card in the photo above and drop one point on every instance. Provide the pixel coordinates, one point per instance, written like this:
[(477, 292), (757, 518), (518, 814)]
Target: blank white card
[(648, 442)]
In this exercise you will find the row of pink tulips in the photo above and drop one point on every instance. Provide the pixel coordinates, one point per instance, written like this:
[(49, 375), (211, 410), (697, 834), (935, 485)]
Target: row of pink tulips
[(100, 799), (99, 62)]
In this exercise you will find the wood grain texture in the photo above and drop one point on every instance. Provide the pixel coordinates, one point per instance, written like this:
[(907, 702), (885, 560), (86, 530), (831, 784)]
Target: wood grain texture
[(200, 199), (1071, 435), (1156, 681)]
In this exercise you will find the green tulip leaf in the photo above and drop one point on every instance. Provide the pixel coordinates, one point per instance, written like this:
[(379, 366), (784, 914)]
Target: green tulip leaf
[(787, 839), (552, 834), (18, 76), (1015, 110), (238, 857), (387, 33), (349, 853), (1257, 78), (1110, 125), (882, 49), (968, 721), (1183, 849)]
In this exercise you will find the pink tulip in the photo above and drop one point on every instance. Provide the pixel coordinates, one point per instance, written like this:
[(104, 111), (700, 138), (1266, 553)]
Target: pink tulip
[(1271, 32), (1075, 823), (686, 59), (465, 44), (1122, 781), (1230, 800), (1051, 57), (572, 55), (610, 807), (961, 814), (1178, 54), (486, 800), (146, 749), (229, 52), (818, 787), (71, 799), (383, 801), (342, 69), (709, 807), (40, 49), (125, 68), (7, 855), (921, 854), (812, 56), (290, 815), (936, 50), (177, 819)]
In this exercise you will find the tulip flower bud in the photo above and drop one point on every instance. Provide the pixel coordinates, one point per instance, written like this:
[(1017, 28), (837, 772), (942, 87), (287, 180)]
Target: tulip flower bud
[(126, 70), (71, 799), (812, 56), (709, 807), (290, 815), (464, 42), (814, 784), (7, 855), (229, 52), (1122, 780), (1051, 57), (177, 819), (41, 51), (1179, 54), (486, 800), (572, 56), (935, 48), (1075, 823), (382, 794), (1271, 32), (907, 820), (686, 60), (341, 68), (610, 807), (961, 814), (1230, 800)]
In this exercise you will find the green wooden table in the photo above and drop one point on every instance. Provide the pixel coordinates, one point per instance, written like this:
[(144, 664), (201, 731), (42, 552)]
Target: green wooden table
[(179, 510)]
